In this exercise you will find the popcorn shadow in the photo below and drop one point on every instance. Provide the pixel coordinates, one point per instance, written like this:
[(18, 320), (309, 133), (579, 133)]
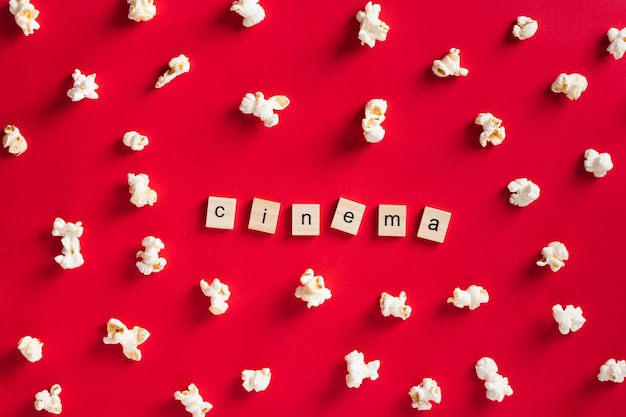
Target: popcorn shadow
[(472, 136), (376, 320), (350, 43), (54, 244), (581, 172), (447, 310), (171, 407), (238, 392), (601, 48), (534, 272), (544, 333), (229, 20), (121, 201), (10, 361), (200, 305), (61, 101), (336, 389), (120, 19), (351, 139), (291, 307), (509, 38), (246, 123), (479, 399), (8, 27), (551, 97)]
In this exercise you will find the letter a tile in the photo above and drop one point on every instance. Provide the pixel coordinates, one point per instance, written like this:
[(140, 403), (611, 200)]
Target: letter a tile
[(434, 224)]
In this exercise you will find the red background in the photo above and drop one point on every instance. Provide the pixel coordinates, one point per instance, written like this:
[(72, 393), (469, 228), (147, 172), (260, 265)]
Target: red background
[(201, 145)]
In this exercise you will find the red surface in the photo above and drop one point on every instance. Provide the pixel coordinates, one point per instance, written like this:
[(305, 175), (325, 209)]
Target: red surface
[(201, 145)]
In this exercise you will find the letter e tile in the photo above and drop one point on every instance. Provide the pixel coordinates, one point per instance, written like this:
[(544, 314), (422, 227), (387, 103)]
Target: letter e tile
[(348, 216)]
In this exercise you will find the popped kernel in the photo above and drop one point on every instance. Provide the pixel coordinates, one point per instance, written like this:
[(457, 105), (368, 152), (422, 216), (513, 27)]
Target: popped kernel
[(14, 141), (118, 333), (569, 319), (251, 11), (177, 66), (449, 65), (493, 131), (135, 141), (372, 28), (473, 297), (49, 400), (25, 14), (375, 110), (613, 370), (193, 401), (84, 86), (525, 28), (313, 289), (424, 394), (523, 192), (70, 233), (141, 10), (31, 348), (257, 105), (219, 293), (140, 192), (150, 260), (554, 255), (497, 386), (572, 85), (257, 380), (597, 163), (617, 42), (394, 306), (358, 370)]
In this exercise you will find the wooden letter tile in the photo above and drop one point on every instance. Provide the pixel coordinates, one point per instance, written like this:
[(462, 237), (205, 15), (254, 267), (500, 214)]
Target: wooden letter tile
[(264, 216), (434, 224), (305, 220), (220, 213), (392, 220), (348, 216)]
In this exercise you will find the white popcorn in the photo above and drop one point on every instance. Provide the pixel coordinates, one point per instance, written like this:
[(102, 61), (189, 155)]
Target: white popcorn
[(135, 141), (485, 367), (150, 261), (140, 192), (70, 233), (496, 385), (84, 86), (358, 370), (250, 10), (572, 85), (569, 319), (394, 306), (525, 27), (177, 66), (25, 15), (313, 290), (193, 401), (375, 110), (14, 141), (31, 348), (449, 65), (219, 293), (424, 394), (141, 10), (257, 380), (118, 333), (617, 39), (372, 28), (554, 255), (613, 370), (257, 105), (49, 400), (473, 297), (493, 131), (598, 163), (523, 192)]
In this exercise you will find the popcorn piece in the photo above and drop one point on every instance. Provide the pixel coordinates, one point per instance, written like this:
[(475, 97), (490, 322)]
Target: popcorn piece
[(569, 319), (140, 192), (394, 306), (135, 141), (598, 163), (525, 28), (523, 192), (257, 105), (141, 10), (497, 386), (555, 255), (358, 370), (25, 15), (449, 65), (473, 297), (49, 400), (493, 131), (219, 293), (84, 86), (617, 39), (572, 85), (313, 289), (613, 370), (118, 333), (193, 402), (70, 233), (177, 66), (14, 141), (424, 394), (250, 10), (31, 348), (256, 380), (150, 261), (485, 367), (375, 110), (372, 28)]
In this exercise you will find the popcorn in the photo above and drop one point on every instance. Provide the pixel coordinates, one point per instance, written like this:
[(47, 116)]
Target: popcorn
[(613, 370), (250, 10), (569, 319), (140, 193), (375, 110), (523, 192), (449, 65), (473, 297), (49, 400), (312, 290), (598, 163), (25, 15), (493, 131), (525, 28), (257, 105), (497, 386), (177, 66), (572, 85), (394, 306), (193, 402), (617, 39), (141, 10), (118, 333), (554, 255), (219, 293), (135, 141), (423, 394), (70, 233), (31, 348), (14, 141), (372, 28), (150, 261), (84, 87), (358, 370), (256, 380)]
